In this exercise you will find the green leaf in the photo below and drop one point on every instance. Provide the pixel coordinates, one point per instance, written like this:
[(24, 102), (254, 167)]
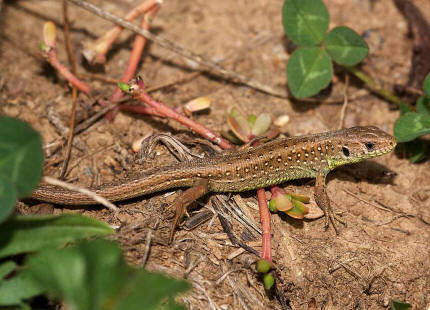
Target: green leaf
[(309, 70), (7, 198), (17, 289), (416, 150), (23, 234), (6, 268), (305, 21), (261, 124), (156, 287), (400, 305), (299, 211), (426, 85), (345, 46), (238, 124), (423, 105), (411, 125), (404, 108), (21, 155), (94, 276), (125, 88)]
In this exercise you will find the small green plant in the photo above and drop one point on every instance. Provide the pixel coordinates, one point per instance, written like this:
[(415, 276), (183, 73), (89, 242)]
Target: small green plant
[(289, 203), (244, 128), (412, 125), (310, 68), (21, 159), (400, 305), (263, 267), (89, 275)]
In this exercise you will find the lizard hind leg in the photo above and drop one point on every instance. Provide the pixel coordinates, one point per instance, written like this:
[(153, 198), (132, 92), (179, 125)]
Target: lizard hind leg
[(323, 202), (199, 189)]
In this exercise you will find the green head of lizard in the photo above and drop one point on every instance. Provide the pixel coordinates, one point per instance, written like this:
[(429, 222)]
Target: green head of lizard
[(359, 143)]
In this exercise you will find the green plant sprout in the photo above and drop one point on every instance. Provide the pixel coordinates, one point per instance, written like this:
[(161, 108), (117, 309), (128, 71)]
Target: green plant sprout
[(289, 203), (412, 125), (244, 128)]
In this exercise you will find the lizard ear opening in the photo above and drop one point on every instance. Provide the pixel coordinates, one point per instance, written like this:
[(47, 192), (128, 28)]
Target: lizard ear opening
[(345, 151)]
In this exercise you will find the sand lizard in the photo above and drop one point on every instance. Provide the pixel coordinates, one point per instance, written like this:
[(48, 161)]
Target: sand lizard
[(272, 163)]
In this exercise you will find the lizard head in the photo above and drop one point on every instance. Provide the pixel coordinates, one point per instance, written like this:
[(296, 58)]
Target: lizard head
[(359, 143)]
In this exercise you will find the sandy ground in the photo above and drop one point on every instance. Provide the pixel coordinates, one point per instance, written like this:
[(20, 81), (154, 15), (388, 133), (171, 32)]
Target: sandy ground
[(382, 254)]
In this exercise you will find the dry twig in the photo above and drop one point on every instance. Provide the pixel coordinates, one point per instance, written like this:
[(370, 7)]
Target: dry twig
[(72, 187), (215, 68)]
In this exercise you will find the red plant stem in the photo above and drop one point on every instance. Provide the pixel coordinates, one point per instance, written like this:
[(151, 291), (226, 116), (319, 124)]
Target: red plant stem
[(265, 216), (141, 95), (266, 251), (51, 56), (102, 45), (140, 109), (136, 53)]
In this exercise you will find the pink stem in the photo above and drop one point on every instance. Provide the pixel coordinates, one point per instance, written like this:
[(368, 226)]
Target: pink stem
[(51, 55), (102, 45), (266, 251), (136, 53), (276, 189), (139, 109), (141, 95)]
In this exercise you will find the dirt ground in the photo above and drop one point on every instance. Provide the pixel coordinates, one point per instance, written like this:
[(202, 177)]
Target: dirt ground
[(382, 254)]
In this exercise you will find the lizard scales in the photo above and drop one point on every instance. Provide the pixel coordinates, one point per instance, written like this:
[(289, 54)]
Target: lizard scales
[(256, 167)]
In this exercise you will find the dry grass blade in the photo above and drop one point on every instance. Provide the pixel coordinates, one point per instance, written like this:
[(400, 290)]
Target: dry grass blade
[(99, 199)]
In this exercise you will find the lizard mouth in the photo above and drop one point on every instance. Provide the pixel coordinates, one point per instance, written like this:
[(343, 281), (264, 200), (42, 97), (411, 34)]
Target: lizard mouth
[(382, 151)]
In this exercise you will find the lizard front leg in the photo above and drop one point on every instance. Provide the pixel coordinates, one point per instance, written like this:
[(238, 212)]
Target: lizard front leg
[(199, 189), (323, 202)]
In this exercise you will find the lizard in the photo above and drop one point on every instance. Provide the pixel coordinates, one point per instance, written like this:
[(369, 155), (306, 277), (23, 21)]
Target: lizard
[(271, 163)]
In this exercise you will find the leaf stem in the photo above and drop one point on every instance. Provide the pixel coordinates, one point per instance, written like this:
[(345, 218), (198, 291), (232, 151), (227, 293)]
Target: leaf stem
[(137, 90), (375, 87)]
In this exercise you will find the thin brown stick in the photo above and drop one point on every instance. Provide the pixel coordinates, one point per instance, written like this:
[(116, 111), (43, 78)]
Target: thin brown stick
[(67, 39), (215, 68), (71, 134), (72, 62), (147, 247)]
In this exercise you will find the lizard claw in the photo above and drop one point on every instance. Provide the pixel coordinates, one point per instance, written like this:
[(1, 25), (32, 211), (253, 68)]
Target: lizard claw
[(333, 217)]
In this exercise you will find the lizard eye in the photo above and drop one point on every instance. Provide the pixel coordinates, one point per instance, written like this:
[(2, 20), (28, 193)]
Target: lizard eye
[(345, 151), (369, 146)]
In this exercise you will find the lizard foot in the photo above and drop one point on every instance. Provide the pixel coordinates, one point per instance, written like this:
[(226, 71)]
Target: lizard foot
[(333, 217), (199, 189)]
